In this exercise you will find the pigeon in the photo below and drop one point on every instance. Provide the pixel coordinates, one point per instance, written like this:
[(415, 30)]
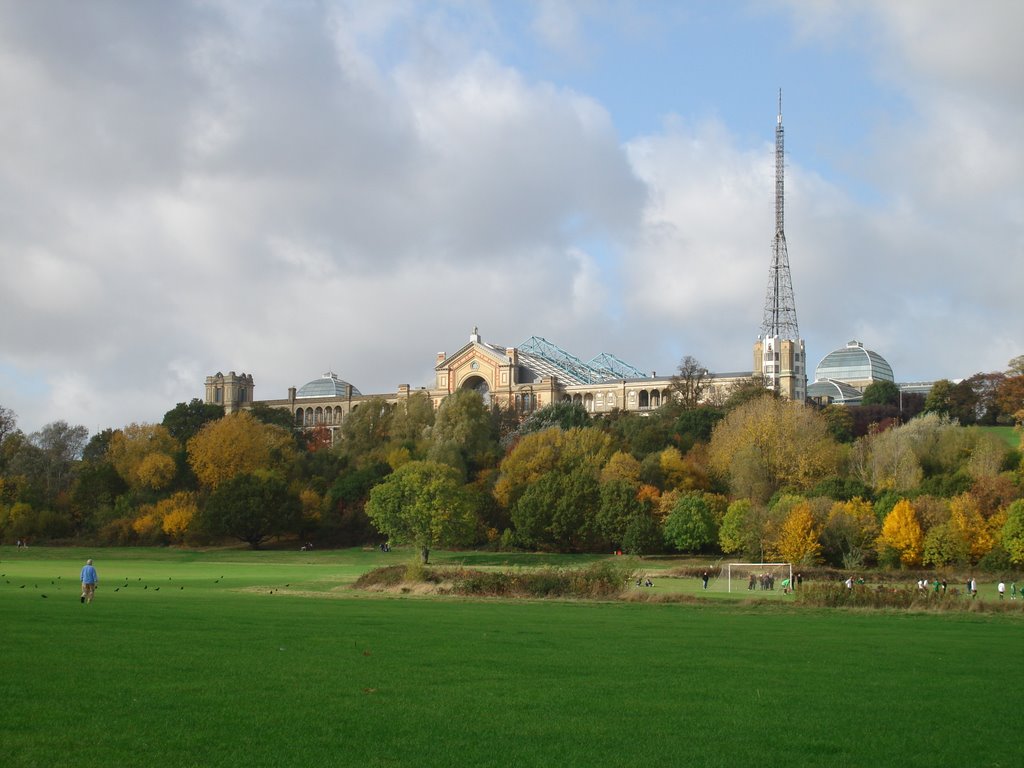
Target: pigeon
[(117, 589), (156, 589), (42, 595)]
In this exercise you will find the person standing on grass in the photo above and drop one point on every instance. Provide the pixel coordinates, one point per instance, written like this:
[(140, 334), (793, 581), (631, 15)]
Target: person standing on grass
[(1013, 590), (1002, 589), (704, 579), (89, 581)]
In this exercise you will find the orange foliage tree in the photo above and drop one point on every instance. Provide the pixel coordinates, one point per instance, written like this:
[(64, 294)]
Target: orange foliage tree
[(237, 444), (143, 455), (902, 532), (798, 537)]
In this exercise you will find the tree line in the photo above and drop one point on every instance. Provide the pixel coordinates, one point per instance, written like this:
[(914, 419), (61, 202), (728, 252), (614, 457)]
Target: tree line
[(908, 481)]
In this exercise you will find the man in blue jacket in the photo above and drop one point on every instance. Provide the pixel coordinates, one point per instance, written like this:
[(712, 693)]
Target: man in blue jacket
[(89, 581)]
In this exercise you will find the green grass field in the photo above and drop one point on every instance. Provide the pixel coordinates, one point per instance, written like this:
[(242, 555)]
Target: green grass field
[(1008, 435), (270, 659)]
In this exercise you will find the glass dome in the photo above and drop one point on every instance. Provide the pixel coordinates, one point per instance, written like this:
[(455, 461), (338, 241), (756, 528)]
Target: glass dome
[(328, 385), (832, 391), (854, 363)]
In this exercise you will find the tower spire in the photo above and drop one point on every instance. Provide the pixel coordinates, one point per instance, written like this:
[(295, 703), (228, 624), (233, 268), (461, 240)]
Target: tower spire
[(779, 352), (780, 304)]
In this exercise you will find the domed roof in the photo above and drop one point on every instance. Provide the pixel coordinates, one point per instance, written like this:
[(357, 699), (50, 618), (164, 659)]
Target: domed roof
[(854, 363), (328, 385), (834, 392)]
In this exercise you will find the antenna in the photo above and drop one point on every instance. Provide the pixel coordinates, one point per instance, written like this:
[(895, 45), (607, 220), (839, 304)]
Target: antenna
[(780, 304)]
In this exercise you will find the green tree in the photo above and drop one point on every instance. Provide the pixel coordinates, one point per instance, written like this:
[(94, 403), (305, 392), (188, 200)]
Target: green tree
[(564, 415), (558, 511), (423, 503), (185, 419), (881, 393), (690, 526), (251, 508), (1013, 532), (367, 429), (412, 418), (618, 506), (737, 532), (461, 435), (278, 417)]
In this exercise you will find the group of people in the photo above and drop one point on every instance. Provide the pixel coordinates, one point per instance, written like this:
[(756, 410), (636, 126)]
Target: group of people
[(762, 581)]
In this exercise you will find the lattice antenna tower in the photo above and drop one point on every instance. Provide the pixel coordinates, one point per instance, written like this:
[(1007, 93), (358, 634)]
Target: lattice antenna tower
[(780, 304)]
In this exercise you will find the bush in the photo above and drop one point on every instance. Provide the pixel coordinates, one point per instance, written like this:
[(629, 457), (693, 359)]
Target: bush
[(605, 579)]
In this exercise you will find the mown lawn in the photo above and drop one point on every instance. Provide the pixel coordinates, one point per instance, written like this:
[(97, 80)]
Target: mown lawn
[(227, 673)]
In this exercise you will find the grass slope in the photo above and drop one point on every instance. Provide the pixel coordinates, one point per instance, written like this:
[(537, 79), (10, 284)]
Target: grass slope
[(225, 673)]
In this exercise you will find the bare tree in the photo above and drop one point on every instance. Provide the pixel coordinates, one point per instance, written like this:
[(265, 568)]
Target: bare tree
[(690, 382)]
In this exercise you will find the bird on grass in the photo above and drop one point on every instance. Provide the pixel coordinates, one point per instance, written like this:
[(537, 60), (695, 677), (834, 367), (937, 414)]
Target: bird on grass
[(156, 589), (42, 595)]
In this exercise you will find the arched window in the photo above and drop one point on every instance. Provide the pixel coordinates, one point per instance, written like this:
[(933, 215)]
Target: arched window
[(645, 401), (655, 399), (588, 402), (298, 417)]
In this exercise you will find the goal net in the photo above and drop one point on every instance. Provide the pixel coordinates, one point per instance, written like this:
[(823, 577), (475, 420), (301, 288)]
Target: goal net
[(757, 577)]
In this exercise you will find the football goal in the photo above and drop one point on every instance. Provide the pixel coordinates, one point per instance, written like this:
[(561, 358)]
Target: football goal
[(759, 576)]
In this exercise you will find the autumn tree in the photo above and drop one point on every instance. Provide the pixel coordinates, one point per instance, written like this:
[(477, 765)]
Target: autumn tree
[(967, 522), (423, 503), (798, 538), (621, 466), (902, 534), (849, 535), (237, 444), (771, 443), (143, 455), (552, 450)]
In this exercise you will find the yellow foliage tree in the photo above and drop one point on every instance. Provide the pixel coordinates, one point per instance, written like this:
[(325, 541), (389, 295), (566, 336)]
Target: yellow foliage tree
[(966, 519), (798, 537), (902, 532), (550, 450), (312, 503), (179, 511), (769, 443), (682, 472), (237, 444), (143, 455), (621, 466)]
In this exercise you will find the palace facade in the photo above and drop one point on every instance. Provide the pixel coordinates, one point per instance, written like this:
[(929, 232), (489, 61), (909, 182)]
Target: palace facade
[(525, 378)]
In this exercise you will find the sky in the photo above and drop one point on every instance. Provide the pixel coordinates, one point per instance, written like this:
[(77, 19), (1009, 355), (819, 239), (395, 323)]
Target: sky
[(293, 187)]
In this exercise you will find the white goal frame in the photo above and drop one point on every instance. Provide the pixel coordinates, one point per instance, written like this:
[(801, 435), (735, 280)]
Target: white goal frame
[(761, 566)]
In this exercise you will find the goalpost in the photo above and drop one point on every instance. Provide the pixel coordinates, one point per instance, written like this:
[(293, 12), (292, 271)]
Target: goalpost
[(759, 576)]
